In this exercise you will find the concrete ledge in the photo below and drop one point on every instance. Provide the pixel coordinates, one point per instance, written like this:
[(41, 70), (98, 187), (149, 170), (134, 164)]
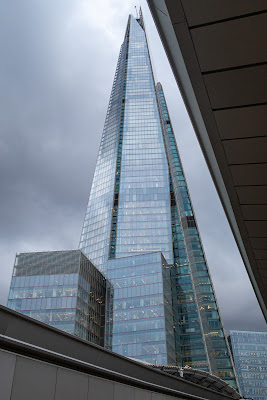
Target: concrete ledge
[(25, 336)]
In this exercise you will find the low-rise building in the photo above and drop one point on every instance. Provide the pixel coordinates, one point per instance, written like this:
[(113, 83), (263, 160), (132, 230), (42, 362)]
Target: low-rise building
[(62, 289)]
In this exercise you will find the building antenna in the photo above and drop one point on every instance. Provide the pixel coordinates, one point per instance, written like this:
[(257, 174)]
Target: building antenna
[(136, 12)]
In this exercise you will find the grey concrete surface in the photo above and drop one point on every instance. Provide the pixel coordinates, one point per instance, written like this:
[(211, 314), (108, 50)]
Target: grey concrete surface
[(41, 362)]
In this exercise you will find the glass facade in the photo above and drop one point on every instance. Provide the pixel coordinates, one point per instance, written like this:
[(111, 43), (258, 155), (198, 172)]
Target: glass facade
[(62, 289), (203, 342), (144, 217), (249, 351), (139, 208), (141, 324)]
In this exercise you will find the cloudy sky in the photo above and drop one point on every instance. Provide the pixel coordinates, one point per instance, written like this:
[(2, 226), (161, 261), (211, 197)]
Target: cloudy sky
[(58, 59)]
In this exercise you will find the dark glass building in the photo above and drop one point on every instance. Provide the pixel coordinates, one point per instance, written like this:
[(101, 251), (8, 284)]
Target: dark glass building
[(250, 357), (62, 289), (141, 232)]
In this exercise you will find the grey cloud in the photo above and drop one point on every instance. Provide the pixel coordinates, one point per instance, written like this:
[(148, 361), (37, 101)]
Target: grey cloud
[(55, 79), (53, 111)]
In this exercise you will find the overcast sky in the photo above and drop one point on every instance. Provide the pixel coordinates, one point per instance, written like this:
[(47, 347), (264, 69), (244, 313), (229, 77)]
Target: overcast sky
[(58, 59)]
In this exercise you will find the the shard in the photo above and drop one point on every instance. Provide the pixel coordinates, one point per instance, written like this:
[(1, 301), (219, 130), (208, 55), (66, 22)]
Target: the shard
[(141, 232)]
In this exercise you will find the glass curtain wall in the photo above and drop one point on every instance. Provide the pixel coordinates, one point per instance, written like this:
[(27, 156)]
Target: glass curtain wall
[(131, 215), (62, 289), (144, 218), (95, 237), (203, 340), (142, 323), (139, 204), (250, 355)]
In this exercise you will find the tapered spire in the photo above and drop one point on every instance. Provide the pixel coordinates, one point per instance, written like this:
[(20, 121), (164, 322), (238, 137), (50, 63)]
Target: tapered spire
[(141, 231)]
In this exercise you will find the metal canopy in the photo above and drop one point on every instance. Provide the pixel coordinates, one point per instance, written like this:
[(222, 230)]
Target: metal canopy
[(201, 378)]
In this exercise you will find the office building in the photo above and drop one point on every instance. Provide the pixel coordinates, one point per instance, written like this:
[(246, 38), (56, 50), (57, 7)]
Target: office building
[(140, 229), (62, 289), (249, 351)]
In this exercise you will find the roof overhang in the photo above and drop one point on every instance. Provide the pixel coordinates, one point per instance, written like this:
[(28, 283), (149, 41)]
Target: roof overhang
[(217, 53)]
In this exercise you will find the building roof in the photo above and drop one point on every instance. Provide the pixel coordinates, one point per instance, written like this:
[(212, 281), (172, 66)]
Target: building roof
[(217, 51)]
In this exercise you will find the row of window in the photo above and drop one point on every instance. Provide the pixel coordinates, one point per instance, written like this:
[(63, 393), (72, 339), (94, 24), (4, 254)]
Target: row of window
[(52, 316), (137, 302), (135, 291), (137, 280), (154, 335), (259, 354), (141, 240), (42, 303), (140, 349), (137, 313), (39, 292), (140, 272), (45, 280), (146, 324)]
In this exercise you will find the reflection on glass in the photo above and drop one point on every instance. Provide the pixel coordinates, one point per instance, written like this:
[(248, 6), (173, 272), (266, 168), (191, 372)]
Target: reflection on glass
[(139, 209), (46, 287)]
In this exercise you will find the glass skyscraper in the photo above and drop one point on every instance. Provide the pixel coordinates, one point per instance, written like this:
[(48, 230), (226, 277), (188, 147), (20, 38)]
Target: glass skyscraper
[(140, 229), (62, 289), (250, 356)]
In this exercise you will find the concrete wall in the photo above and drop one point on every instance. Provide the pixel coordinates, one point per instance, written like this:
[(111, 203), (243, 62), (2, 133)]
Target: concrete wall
[(24, 378), (40, 362)]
